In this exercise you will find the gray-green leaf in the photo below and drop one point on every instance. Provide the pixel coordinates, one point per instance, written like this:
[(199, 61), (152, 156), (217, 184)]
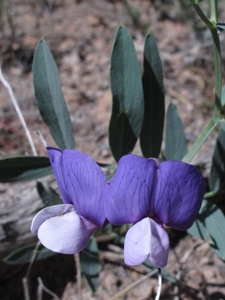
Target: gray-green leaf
[(176, 146), (23, 255), (210, 227), (217, 173), (48, 197), (154, 111), (49, 97), (24, 168), (128, 104)]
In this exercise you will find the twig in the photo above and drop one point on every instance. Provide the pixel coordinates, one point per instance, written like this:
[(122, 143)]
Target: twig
[(32, 260), (42, 139), (159, 285), (41, 287), (78, 269), (25, 280), (39, 292), (182, 262), (25, 288), (129, 287), (19, 113)]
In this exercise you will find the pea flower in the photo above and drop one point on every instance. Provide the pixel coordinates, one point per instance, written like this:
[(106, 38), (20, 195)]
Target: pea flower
[(149, 194), (66, 228)]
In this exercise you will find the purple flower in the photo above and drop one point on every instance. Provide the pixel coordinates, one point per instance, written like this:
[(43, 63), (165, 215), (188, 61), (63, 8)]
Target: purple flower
[(66, 228), (149, 194)]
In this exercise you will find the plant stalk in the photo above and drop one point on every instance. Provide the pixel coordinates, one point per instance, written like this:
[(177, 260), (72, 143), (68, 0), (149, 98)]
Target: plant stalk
[(214, 11), (219, 111)]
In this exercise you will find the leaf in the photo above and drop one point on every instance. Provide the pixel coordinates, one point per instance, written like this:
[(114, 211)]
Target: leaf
[(23, 255), (49, 97), (107, 166), (176, 146), (217, 172), (48, 197), (90, 264), (128, 104), (222, 123), (120, 132), (199, 231), (24, 168), (154, 111), (169, 277), (210, 226)]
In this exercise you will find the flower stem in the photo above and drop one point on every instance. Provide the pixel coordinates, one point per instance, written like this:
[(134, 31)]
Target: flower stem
[(159, 285), (79, 282)]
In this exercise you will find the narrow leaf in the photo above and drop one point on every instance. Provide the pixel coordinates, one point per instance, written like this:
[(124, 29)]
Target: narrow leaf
[(24, 168), (199, 231), (176, 146), (49, 197), (126, 84), (209, 226), (217, 173), (90, 264), (49, 97), (154, 112), (23, 255), (121, 135)]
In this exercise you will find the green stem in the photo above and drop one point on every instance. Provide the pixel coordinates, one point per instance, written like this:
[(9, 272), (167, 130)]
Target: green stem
[(214, 10), (200, 140), (211, 24), (198, 10), (218, 109)]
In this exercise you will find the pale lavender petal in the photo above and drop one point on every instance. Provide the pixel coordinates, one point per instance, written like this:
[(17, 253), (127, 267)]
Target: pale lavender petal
[(179, 194), (83, 182), (160, 245), (129, 194), (67, 234), (55, 157), (49, 212), (146, 239)]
